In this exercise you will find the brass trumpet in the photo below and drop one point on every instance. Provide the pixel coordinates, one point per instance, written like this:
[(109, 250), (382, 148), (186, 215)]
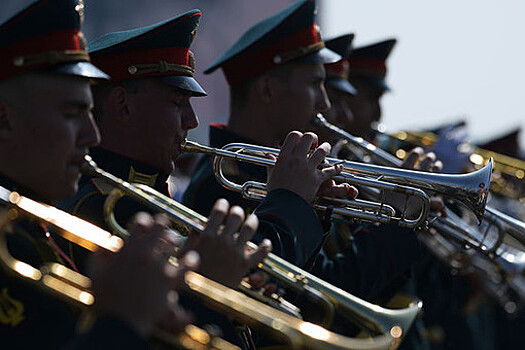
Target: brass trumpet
[(389, 324), (469, 189), (75, 287), (72, 286)]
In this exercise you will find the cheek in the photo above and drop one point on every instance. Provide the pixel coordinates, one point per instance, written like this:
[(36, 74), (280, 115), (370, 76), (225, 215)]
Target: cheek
[(172, 125), (161, 120), (311, 95), (305, 100), (54, 146), (64, 139), (371, 109), (170, 117), (331, 115), (50, 136), (167, 130), (359, 109)]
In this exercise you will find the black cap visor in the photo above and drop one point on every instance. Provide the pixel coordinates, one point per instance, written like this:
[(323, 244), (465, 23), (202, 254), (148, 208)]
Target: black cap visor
[(323, 56), (342, 85), (184, 83), (80, 69)]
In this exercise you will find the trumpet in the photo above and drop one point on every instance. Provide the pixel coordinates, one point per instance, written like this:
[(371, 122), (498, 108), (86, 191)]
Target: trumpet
[(506, 168), (71, 286), (376, 154), (389, 325), (493, 254), (507, 224), (469, 189), (501, 264)]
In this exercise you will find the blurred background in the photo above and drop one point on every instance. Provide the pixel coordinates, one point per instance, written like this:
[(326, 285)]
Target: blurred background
[(453, 60)]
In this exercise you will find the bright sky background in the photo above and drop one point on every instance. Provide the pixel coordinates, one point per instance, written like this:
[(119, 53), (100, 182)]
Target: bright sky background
[(454, 59)]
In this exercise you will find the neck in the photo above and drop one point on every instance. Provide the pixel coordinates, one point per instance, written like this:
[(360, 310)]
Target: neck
[(122, 140), (116, 141), (254, 122)]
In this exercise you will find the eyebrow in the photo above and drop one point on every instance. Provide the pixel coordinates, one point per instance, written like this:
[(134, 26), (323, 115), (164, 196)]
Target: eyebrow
[(184, 93)]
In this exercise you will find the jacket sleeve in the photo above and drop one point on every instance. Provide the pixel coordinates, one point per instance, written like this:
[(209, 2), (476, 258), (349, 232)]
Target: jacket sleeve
[(285, 218), (291, 224), (372, 262), (108, 333)]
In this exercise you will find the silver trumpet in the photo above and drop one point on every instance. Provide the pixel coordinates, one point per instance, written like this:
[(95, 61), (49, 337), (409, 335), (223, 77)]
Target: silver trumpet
[(461, 245), (387, 326), (507, 224), (469, 189)]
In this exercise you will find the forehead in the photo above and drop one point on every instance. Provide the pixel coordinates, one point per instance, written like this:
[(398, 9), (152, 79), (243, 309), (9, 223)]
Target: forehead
[(337, 94), (38, 93), (58, 87), (309, 70), (154, 85), (367, 87)]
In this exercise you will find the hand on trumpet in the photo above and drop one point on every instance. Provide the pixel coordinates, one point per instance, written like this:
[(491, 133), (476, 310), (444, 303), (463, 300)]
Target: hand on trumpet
[(225, 257), (417, 159), (138, 284), (298, 169)]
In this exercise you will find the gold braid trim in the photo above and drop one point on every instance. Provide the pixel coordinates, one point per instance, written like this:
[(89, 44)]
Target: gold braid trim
[(160, 67), (51, 57), (301, 51)]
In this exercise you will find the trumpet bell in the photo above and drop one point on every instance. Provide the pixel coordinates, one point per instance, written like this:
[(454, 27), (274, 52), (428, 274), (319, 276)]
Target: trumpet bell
[(470, 189)]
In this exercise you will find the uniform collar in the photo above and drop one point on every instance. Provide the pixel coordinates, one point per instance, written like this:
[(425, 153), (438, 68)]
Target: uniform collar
[(221, 136), (128, 169)]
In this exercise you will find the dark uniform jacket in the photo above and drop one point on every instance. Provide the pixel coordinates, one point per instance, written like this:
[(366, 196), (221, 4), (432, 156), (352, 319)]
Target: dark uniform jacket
[(284, 217), (88, 204), (364, 265), (33, 319)]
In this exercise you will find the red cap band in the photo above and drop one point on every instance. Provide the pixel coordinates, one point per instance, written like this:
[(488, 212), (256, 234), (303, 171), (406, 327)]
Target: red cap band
[(126, 65), (255, 62), (375, 67), (13, 58), (338, 69)]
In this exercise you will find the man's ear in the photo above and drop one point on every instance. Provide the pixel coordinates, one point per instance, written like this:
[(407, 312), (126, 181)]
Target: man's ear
[(6, 126), (118, 103)]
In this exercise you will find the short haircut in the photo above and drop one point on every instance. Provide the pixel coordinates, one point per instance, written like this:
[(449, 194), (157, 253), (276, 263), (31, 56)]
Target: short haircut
[(101, 92), (240, 92)]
